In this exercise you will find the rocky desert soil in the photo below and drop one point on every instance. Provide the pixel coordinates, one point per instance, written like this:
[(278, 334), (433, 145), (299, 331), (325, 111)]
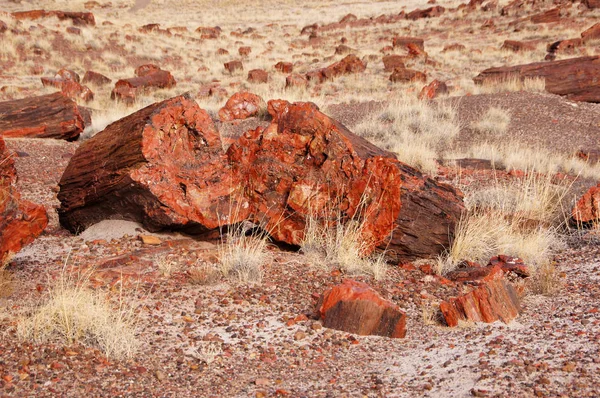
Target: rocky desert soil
[(210, 336)]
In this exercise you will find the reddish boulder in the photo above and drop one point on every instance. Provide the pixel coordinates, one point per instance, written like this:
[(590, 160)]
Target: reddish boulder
[(258, 76), (46, 116), (95, 78), (586, 211), (430, 12), (433, 90), (78, 18), (354, 307), (147, 77), (495, 299), (77, 91), (403, 75), (208, 32), (295, 80), (284, 67), (564, 46), (404, 41), (591, 4), (162, 166), (305, 163), (349, 64), (233, 66), (20, 221), (67, 74), (591, 33), (575, 78), (244, 51), (241, 105), (391, 62)]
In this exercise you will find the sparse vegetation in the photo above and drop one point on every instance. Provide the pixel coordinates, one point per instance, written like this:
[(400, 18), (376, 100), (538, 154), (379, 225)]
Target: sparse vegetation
[(6, 282), (72, 312), (494, 121), (243, 254)]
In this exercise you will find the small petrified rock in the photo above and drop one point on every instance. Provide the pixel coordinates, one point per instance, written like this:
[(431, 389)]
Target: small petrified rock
[(495, 299), (147, 77), (404, 75), (586, 211), (433, 90), (258, 76), (95, 78), (233, 66), (284, 67), (355, 307)]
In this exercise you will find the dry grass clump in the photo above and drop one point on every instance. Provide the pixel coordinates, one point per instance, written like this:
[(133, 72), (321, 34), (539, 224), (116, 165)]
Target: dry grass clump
[(167, 265), (72, 312), (418, 131), (6, 282), (519, 218), (204, 274), (341, 244), (494, 121), (243, 253), (533, 85)]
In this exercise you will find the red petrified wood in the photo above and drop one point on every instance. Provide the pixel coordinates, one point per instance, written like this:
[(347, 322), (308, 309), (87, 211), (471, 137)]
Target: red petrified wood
[(355, 307), (46, 116), (576, 78), (78, 18), (148, 77), (20, 221), (307, 164), (241, 105), (495, 299), (586, 211), (162, 166)]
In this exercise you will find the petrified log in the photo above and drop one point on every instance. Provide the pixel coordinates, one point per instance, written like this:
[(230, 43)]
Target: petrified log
[(355, 307), (518, 46), (78, 18), (20, 221), (576, 78), (306, 164), (496, 299), (241, 105), (147, 77), (549, 16), (430, 12), (404, 75), (46, 116), (349, 64), (162, 166)]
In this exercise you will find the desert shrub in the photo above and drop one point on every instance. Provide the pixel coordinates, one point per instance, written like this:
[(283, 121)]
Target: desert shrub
[(243, 253)]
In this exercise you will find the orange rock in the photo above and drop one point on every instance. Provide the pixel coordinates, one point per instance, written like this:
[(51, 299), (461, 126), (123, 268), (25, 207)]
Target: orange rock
[(295, 80), (403, 75), (284, 67), (495, 299), (258, 76), (349, 64), (20, 221), (241, 105), (433, 90), (233, 66), (586, 211), (95, 78), (355, 307), (147, 77)]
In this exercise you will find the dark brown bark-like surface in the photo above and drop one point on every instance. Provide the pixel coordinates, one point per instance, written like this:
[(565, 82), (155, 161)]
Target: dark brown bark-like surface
[(162, 166), (305, 164), (576, 78), (47, 116), (20, 220)]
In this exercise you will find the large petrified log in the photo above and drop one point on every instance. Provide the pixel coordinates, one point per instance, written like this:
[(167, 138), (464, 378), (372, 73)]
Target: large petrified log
[(78, 18), (576, 78), (163, 166), (20, 221), (305, 164), (46, 116), (355, 307), (586, 212)]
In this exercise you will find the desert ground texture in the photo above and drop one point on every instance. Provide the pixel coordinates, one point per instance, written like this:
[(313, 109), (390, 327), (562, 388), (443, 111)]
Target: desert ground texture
[(304, 199)]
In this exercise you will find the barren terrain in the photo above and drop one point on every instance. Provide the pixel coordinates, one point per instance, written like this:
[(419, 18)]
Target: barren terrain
[(196, 331)]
